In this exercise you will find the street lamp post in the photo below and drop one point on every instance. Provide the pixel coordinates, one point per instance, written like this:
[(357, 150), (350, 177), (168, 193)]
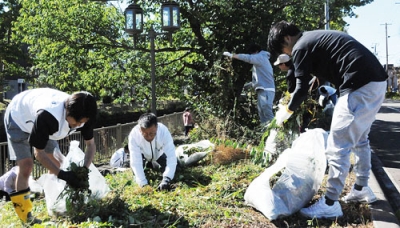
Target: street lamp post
[(170, 21)]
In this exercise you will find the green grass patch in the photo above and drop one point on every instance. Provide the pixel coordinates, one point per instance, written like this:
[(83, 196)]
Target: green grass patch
[(207, 195)]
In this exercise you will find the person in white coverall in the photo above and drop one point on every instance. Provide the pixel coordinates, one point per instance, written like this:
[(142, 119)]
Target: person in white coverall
[(151, 145)]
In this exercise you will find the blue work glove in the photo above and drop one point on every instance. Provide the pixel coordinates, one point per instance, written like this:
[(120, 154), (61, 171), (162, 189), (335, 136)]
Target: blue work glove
[(164, 185)]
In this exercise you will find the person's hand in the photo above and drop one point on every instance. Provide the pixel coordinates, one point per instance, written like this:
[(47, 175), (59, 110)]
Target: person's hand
[(69, 177), (282, 114), (228, 54), (164, 185)]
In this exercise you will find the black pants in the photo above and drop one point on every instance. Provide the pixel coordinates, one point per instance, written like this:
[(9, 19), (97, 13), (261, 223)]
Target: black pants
[(161, 160), (187, 130)]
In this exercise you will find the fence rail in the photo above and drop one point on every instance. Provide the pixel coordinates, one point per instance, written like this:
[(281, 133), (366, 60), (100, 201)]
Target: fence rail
[(107, 139)]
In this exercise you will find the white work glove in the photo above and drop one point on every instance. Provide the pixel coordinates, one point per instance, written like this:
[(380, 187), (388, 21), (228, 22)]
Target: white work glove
[(270, 145), (321, 100), (282, 114), (228, 54)]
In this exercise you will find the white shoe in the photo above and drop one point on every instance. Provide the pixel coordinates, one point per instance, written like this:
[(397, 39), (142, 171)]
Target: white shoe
[(364, 196), (321, 210)]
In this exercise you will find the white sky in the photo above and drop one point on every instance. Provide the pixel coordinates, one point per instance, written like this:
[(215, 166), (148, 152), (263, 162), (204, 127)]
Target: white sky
[(369, 28)]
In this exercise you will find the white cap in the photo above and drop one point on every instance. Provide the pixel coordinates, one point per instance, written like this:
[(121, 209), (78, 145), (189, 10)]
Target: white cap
[(282, 58)]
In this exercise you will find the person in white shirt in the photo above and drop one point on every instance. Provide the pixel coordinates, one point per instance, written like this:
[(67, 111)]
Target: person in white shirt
[(120, 157), (34, 120), (151, 145), (7, 182)]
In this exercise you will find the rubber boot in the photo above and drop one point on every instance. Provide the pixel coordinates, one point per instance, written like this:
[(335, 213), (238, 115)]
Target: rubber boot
[(23, 206)]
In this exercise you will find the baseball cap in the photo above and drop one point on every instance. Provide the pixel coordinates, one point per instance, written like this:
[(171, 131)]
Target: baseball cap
[(282, 58)]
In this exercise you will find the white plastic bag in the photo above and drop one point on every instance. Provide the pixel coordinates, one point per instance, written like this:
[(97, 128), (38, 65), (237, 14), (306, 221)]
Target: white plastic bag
[(97, 182), (186, 160), (304, 166), (53, 186)]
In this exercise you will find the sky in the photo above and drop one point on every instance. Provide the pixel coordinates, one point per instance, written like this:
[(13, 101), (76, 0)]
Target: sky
[(369, 29)]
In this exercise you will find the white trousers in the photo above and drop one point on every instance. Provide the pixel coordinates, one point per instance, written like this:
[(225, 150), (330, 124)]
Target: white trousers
[(352, 118)]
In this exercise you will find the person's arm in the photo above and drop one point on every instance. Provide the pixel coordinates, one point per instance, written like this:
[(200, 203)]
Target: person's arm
[(88, 136), (256, 59), (90, 151), (45, 125), (169, 150), (42, 157), (136, 161)]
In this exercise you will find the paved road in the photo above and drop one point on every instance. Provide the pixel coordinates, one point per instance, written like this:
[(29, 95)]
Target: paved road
[(385, 143)]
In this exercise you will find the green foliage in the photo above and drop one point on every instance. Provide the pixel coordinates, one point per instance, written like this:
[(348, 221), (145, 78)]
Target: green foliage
[(203, 196), (14, 61)]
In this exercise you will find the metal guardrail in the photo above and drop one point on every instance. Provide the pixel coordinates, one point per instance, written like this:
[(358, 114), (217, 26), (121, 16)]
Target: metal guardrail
[(107, 139)]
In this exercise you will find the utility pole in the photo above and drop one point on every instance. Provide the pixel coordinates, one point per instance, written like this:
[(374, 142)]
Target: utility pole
[(327, 15), (387, 55)]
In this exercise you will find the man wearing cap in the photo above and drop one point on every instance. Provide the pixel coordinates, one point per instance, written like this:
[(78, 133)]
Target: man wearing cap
[(285, 64), (262, 79)]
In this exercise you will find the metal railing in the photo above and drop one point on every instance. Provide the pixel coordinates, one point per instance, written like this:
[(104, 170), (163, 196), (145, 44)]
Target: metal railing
[(107, 139)]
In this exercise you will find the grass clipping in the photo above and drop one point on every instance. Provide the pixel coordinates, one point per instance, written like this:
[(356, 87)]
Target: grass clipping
[(76, 198)]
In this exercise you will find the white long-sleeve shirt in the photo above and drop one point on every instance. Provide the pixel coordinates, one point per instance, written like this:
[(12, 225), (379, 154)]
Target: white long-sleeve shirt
[(119, 158), (161, 144)]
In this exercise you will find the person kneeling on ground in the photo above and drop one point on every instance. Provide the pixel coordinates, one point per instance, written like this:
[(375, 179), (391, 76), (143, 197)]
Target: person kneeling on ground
[(120, 158), (7, 183), (151, 145)]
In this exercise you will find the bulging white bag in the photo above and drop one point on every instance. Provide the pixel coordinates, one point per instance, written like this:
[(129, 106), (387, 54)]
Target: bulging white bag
[(304, 166), (53, 186), (185, 159)]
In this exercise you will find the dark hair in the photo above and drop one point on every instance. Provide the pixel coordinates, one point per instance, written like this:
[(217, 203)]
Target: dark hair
[(276, 36), (81, 105), (126, 147), (187, 109), (147, 120), (253, 48)]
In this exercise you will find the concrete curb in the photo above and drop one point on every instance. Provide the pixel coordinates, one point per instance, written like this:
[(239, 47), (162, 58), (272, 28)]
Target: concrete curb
[(382, 213)]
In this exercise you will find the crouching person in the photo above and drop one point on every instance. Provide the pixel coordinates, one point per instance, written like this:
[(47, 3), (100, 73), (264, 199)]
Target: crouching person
[(151, 146), (37, 118)]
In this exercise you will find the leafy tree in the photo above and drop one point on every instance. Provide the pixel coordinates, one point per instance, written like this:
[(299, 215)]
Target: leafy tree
[(76, 45), (233, 25), (80, 44), (13, 58)]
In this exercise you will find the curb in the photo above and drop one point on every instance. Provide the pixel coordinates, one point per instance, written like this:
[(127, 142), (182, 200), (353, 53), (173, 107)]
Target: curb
[(382, 211)]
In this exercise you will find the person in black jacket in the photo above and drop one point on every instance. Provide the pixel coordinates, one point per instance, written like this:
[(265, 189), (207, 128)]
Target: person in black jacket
[(336, 57)]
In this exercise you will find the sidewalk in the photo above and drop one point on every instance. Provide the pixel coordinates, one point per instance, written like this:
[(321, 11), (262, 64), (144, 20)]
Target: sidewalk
[(385, 175)]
